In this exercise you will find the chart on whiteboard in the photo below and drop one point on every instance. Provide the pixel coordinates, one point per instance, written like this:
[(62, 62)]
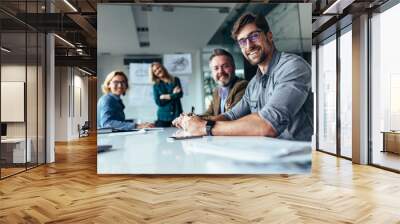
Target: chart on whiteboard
[(139, 73), (178, 64)]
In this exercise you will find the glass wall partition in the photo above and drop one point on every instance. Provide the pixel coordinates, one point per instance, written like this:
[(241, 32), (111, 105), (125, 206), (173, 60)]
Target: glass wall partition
[(41, 96), (31, 97), (345, 59), (385, 89), (14, 153), (327, 95), (22, 78), (334, 109)]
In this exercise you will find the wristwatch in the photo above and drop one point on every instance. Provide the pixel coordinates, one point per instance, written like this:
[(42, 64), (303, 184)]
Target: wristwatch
[(209, 126)]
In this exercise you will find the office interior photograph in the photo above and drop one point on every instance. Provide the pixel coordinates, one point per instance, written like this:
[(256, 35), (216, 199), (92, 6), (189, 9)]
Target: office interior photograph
[(49, 91), (184, 50)]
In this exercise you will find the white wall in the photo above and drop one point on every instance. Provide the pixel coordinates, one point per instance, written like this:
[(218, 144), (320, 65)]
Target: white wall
[(12, 73), (33, 126), (147, 110), (70, 83), (61, 103)]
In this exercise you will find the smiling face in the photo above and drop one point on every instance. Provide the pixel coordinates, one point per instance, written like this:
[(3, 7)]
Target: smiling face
[(222, 69), (256, 46), (158, 71), (118, 85)]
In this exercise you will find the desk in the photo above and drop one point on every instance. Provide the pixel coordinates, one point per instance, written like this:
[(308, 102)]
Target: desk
[(391, 141), (15, 153), (153, 153)]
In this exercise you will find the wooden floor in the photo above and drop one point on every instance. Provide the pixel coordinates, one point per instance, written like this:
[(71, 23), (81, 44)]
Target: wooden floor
[(387, 159), (10, 171), (70, 191)]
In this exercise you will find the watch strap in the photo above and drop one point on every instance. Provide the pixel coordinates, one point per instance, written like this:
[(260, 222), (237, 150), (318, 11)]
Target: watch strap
[(209, 127)]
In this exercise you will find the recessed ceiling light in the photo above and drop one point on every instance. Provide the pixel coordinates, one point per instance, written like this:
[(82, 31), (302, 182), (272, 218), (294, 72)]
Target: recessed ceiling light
[(84, 71), (70, 5), (5, 50), (64, 40), (338, 6)]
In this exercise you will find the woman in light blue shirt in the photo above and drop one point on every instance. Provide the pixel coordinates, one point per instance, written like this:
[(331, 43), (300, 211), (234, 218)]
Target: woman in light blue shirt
[(110, 107)]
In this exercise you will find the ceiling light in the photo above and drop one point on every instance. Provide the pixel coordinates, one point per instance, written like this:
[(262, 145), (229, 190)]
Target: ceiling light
[(70, 5), (65, 41), (337, 7), (84, 71), (5, 50)]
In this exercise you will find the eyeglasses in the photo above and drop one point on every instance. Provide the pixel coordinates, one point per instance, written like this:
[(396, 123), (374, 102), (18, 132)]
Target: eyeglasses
[(116, 83), (224, 66), (253, 37)]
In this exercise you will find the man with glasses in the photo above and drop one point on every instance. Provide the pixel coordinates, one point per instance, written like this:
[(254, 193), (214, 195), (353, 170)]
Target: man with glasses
[(230, 88), (278, 100)]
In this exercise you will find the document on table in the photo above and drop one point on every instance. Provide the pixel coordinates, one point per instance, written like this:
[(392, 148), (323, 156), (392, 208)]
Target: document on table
[(114, 131)]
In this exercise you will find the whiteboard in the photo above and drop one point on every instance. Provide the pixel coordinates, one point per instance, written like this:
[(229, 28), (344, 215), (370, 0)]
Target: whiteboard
[(12, 101), (139, 73)]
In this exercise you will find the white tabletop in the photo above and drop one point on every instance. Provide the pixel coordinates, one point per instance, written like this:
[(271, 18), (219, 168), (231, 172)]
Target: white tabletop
[(152, 152)]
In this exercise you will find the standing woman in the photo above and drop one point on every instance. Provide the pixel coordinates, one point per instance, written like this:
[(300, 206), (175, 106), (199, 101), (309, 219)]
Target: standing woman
[(110, 107), (167, 92)]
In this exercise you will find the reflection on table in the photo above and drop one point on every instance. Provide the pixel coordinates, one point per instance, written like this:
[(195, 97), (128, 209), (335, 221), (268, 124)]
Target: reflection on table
[(152, 152)]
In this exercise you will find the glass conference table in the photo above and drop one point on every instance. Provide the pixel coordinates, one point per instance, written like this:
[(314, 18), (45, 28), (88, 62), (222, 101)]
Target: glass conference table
[(153, 152)]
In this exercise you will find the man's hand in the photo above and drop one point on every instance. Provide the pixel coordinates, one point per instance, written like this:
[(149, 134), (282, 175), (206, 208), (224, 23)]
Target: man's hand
[(194, 125), (177, 122), (165, 97), (176, 90), (145, 125)]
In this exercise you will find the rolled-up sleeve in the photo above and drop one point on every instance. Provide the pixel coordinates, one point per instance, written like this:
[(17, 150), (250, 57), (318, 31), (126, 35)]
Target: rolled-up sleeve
[(293, 83), (242, 108)]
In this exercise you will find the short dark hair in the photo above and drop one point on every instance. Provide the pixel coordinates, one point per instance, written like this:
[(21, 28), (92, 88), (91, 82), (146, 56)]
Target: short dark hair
[(222, 52), (248, 18)]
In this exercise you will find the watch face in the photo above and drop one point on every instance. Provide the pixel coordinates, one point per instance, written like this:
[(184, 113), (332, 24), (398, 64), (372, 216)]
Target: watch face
[(208, 129), (209, 126)]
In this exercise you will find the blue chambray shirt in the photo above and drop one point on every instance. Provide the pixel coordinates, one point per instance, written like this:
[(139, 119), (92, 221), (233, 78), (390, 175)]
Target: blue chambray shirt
[(110, 111), (282, 97), (223, 94)]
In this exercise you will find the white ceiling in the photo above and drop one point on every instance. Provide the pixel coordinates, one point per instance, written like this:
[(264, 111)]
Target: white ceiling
[(186, 28), (191, 25)]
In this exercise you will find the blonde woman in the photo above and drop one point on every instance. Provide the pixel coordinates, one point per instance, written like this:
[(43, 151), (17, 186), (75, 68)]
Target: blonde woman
[(110, 107), (167, 92)]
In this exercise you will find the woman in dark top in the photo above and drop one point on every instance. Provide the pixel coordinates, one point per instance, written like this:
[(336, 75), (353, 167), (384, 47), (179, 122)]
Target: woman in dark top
[(110, 108), (167, 92)]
